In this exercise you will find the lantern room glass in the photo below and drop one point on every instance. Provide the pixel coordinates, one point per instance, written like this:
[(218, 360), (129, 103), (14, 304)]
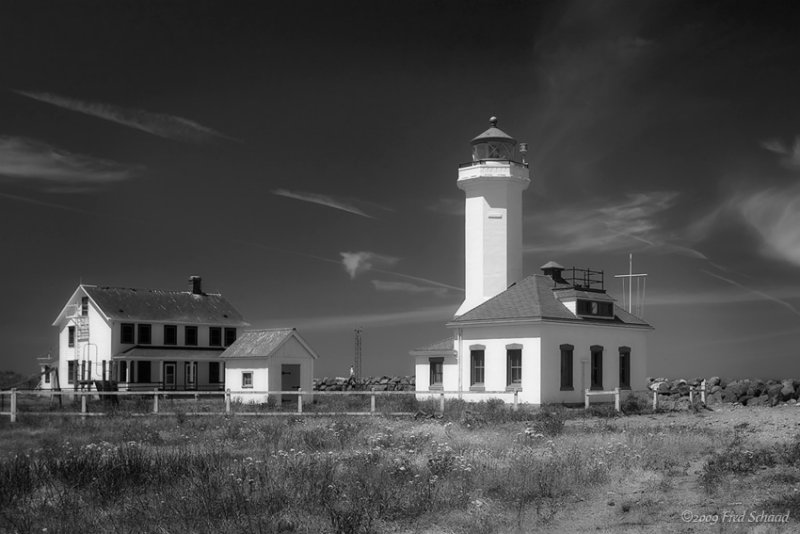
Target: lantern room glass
[(495, 149)]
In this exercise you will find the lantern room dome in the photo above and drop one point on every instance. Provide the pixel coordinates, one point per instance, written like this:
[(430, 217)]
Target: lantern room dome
[(493, 144)]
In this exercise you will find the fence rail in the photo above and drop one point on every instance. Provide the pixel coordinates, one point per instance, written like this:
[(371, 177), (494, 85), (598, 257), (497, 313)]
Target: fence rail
[(112, 397)]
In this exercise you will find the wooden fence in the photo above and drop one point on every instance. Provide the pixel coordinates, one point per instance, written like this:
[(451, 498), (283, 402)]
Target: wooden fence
[(701, 389), (113, 396)]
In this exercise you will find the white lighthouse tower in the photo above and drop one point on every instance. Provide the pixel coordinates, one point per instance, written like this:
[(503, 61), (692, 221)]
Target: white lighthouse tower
[(493, 182)]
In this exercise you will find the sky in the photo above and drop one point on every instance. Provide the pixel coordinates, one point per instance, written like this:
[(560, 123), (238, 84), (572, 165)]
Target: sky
[(302, 158)]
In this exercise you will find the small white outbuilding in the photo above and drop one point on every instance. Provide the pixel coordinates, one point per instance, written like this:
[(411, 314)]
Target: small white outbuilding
[(268, 360)]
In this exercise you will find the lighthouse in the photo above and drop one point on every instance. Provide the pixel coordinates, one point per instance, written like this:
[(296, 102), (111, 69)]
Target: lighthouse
[(493, 183)]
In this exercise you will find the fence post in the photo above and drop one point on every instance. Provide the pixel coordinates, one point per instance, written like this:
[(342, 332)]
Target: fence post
[(617, 404), (155, 400), (227, 401), (13, 405), (586, 399), (83, 406), (372, 402), (655, 399), (703, 392), (516, 400), (299, 401), (441, 402)]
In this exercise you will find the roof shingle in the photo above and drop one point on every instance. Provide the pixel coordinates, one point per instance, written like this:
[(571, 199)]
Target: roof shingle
[(533, 298), (144, 305)]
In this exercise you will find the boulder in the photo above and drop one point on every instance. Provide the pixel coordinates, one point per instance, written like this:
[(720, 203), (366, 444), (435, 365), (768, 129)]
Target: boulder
[(762, 400), (713, 381), (738, 388), (774, 392), (729, 395), (787, 390), (745, 399), (661, 387), (756, 388), (714, 398), (715, 389)]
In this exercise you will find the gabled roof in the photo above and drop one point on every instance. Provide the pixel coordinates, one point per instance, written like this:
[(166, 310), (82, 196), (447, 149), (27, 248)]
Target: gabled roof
[(445, 346), (155, 305), (263, 343), (534, 299)]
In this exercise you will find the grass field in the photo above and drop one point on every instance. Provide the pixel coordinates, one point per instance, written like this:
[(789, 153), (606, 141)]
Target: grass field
[(479, 469)]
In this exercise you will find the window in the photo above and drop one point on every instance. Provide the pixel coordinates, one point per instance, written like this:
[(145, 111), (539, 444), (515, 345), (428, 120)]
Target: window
[(625, 367), (85, 306), (190, 370), (123, 372), (597, 367), (72, 371), (145, 334), (566, 367), (71, 336), (213, 372), (476, 366), (599, 309), (143, 371), (47, 375), (514, 366), (247, 379), (170, 334), (191, 335), (436, 372), (215, 336), (126, 333), (230, 336)]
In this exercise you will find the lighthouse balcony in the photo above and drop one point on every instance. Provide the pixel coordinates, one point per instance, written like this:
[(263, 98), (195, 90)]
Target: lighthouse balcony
[(492, 162)]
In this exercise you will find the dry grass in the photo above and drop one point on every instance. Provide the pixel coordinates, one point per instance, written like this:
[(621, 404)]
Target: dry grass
[(482, 468)]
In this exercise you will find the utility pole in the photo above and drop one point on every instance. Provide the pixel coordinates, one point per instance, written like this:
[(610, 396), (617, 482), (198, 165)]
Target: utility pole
[(357, 358)]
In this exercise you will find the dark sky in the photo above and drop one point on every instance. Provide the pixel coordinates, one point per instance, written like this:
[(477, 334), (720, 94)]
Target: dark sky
[(302, 158)]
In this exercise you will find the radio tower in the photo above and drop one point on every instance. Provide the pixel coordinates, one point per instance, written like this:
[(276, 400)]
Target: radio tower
[(635, 305), (357, 359)]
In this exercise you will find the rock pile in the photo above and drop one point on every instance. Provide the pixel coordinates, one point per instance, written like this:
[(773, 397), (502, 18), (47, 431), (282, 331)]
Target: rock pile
[(749, 392), (379, 383)]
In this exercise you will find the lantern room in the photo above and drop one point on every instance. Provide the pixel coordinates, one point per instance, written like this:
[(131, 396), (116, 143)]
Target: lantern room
[(494, 144)]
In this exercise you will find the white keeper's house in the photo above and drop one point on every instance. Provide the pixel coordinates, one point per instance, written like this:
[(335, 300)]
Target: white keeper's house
[(547, 336), (143, 339)]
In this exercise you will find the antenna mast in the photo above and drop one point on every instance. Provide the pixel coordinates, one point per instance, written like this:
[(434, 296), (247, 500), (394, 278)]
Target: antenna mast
[(357, 358), (634, 307)]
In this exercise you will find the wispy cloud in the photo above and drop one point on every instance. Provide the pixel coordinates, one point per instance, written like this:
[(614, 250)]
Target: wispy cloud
[(603, 225), (756, 292), (448, 206), (356, 263), (339, 203), (791, 159), (60, 171), (159, 124), (725, 295), (408, 287), (775, 215), (334, 322)]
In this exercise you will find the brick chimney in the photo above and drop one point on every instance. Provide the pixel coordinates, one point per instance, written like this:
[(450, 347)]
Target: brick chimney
[(196, 285)]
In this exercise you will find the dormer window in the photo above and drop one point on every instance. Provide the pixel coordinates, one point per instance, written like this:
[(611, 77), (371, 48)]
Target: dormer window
[(594, 308)]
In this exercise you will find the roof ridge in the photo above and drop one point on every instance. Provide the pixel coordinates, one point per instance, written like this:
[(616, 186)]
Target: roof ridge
[(153, 290)]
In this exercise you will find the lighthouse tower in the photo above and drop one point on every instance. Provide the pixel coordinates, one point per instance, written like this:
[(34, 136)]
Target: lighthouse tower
[(493, 183)]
